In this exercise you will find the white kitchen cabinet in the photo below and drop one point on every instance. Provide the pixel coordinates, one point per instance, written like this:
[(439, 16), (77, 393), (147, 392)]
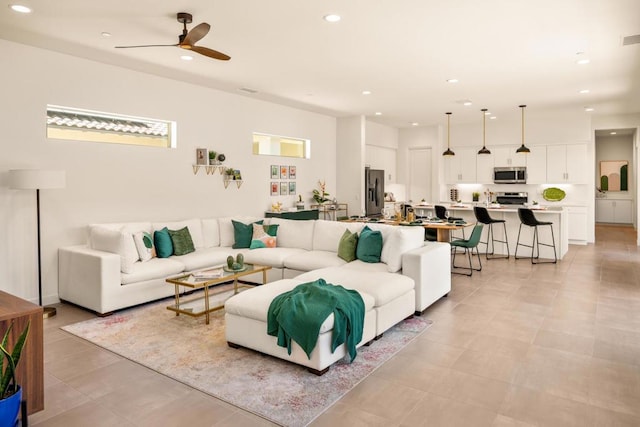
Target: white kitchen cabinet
[(577, 219), (506, 156), (537, 165), (461, 168), (614, 211), (484, 168), (565, 163)]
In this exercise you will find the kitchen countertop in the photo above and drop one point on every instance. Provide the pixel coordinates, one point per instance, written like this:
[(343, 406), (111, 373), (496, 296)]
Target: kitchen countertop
[(501, 208)]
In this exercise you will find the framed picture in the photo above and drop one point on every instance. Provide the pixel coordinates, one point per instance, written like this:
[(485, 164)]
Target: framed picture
[(284, 188), (614, 175), (275, 171), (292, 188), (237, 175), (284, 172), (202, 156), (274, 189), (292, 172)]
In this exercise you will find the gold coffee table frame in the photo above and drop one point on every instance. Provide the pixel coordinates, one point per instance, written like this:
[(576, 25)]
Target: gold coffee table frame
[(188, 281)]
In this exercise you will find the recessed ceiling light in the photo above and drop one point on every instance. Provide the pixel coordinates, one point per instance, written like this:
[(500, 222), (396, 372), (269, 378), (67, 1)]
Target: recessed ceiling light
[(415, 124), (582, 61), (186, 57), (584, 91), (588, 108), (452, 80), (614, 133), (492, 117), (331, 17), (487, 113), (366, 92), (378, 113), (106, 34), (467, 103), (20, 8)]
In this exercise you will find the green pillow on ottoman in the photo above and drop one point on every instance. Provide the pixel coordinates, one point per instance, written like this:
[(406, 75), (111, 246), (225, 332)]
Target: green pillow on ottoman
[(369, 245), (162, 241), (182, 242), (347, 246)]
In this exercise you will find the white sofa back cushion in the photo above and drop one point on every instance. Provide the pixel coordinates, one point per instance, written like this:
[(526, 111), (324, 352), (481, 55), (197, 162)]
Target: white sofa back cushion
[(116, 241), (210, 232), (194, 225), (227, 237), (327, 234), (398, 241), (295, 233)]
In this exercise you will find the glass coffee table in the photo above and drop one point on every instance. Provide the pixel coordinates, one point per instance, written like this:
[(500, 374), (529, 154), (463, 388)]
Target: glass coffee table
[(205, 279)]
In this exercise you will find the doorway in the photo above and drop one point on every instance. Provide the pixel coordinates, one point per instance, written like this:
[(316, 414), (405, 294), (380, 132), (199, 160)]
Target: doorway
[(420, 175)]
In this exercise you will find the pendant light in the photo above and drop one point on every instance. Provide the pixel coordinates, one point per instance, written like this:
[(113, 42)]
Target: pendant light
[(522, 149), (448, 152), (484, 149)]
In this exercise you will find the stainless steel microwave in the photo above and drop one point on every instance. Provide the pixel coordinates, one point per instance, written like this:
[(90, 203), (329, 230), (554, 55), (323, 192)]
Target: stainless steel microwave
[(513, 175)]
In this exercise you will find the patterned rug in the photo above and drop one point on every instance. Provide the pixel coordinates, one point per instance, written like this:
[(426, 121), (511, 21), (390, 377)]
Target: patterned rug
[(279, 391)]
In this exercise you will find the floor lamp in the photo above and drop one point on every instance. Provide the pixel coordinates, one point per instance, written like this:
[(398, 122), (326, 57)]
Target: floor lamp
[(35, 179)]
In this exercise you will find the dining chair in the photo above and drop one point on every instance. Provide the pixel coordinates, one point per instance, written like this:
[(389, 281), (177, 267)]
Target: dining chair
[(468, 245)]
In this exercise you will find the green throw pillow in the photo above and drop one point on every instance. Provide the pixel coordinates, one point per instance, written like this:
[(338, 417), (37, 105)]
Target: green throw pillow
[(163, 243), (182, 242), (347, 246), (369, 245), (242, 234)]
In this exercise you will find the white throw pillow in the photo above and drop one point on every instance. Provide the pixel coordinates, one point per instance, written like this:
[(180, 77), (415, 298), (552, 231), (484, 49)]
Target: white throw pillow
[(144, 245), (400, 240), (118, 242)]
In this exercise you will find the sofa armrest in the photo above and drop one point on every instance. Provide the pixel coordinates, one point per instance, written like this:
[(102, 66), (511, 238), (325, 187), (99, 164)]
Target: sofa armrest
[(430, 267), (86, 276)]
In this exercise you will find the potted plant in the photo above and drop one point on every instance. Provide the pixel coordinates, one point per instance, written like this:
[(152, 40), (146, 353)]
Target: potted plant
[(212, 157), (320, 196), (229, 174), (10, 391), (476, 196)]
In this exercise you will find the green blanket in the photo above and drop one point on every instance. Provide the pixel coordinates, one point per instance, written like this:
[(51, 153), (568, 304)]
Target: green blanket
[(298, 314)]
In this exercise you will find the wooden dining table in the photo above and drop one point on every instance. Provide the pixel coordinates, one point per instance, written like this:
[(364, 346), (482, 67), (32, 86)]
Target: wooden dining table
[(443, 229)]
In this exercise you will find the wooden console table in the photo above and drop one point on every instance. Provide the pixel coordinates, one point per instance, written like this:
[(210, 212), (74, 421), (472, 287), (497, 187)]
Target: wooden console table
[(330, 211), (30, 370)]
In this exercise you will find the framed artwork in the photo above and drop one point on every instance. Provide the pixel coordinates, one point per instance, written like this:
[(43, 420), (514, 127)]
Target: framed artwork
[(284, 172), (275, 171), (202, 156), (614, 175), (292, 188), (284, 188), (274, 189), (292, 172), (237, 175)]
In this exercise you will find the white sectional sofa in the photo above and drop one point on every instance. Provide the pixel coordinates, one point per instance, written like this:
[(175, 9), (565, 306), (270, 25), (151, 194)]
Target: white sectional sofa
[(104, 278)]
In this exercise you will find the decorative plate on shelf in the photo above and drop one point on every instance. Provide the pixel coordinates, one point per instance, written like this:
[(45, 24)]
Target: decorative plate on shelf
[(553, 194)]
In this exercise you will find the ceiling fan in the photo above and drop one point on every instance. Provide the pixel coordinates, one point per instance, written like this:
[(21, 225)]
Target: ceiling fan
[(188, 39)]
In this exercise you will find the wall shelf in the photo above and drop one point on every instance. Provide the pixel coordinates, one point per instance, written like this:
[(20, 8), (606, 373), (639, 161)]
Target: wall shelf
[(209, 169), (237, 181)]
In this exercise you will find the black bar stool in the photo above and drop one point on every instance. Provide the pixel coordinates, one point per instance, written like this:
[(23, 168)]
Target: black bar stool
[(482, 216), (528, 218), (441, 214)]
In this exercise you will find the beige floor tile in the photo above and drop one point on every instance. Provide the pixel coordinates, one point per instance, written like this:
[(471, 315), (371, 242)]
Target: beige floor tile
[(87, 414), (504, 421), (65, 347), (513, 325), (410, 371), (572, 323), (615, 386), (241, 419), (435, 410), (487, 365), (446, 334), (80, 363), (499, 346), (606, 418), (617, 352), (486, 297), (341, 414), (433, 352), (58, 399), (565, 342), (469, 388)]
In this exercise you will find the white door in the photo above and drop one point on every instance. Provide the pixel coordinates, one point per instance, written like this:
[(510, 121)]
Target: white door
[(419, 175)]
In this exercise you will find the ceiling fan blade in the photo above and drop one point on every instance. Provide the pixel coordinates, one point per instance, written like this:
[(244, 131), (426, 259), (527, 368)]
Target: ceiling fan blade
[(146, 45), (196, 33), (207, 52)]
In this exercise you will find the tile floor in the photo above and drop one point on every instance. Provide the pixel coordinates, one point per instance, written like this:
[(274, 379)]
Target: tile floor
[(514, 345)]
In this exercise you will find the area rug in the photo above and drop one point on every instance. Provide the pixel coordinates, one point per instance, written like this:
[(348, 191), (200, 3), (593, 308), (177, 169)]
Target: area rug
[(196, 354)]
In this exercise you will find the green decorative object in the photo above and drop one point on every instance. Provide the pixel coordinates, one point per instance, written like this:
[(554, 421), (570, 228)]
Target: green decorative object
[(624, 180), (240, 260), (553, 194), (230, 261), (8, 383), (604, 183)]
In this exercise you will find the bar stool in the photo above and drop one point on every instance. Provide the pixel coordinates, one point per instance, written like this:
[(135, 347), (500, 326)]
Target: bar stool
[(468, 245), (482, 216), (528, 218), (441, 214)]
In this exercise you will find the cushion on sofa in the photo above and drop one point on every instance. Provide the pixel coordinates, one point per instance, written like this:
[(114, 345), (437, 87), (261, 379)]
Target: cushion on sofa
[(164, 244), (369, 246), (264, 236), (205, 257), (312, 260), (156, 268), (115, 241), (347, 246), (358, 265), (273, 257), (210, 233), (194, 225), (399, 241), (327, 234), (295, 233), (182, 242), (242, 234), (144, 245), (226, 228)]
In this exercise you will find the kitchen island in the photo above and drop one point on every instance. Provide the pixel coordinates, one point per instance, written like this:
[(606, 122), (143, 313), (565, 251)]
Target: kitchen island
[(556, 215)]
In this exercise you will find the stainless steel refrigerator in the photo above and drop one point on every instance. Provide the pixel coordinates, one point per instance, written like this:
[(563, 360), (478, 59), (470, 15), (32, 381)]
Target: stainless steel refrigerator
[(374, 192)]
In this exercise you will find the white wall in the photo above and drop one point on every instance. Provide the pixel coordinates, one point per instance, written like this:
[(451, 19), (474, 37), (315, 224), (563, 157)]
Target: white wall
[(350, 161), (381, 150), (421, 137), (111, 183)]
